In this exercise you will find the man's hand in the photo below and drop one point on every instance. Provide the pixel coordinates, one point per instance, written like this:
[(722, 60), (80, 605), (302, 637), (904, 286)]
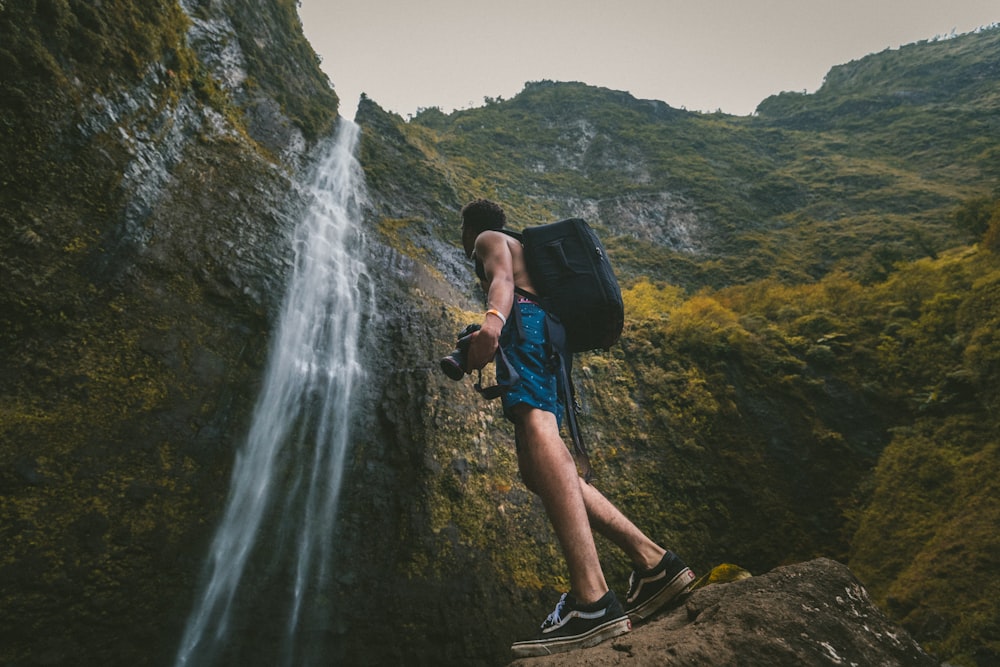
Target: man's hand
[(484, 344)]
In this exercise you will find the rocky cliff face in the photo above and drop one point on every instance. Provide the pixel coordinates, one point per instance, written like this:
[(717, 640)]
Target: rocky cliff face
[(149, 188)]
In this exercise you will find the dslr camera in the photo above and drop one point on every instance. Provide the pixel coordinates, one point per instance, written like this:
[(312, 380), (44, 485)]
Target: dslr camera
[(456, 363)]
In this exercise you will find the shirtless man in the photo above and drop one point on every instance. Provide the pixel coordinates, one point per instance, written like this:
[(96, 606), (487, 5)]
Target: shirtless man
[(589, 613)]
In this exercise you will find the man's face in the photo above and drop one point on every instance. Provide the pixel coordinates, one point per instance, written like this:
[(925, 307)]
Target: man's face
[(468, 240)]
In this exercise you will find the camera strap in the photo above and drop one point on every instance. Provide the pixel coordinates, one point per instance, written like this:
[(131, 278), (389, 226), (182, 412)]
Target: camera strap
[(497, 390)]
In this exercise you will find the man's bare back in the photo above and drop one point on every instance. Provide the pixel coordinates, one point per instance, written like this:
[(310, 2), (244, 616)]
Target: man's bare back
[(519, 268)]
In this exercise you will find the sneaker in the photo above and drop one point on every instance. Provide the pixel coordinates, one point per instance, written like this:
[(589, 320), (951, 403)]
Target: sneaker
[(649, 591), (573, 625)]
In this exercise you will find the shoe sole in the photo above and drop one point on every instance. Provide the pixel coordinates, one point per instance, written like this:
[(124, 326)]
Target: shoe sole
[(602, 633), (678, 585)]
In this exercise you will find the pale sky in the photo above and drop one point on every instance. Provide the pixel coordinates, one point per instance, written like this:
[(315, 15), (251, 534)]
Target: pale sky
[(702, 55)]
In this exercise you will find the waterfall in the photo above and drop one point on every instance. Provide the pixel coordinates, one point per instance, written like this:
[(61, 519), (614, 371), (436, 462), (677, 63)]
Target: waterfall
[(287, 476)]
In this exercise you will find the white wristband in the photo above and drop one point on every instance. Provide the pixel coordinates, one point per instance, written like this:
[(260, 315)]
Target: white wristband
[(494, 311)]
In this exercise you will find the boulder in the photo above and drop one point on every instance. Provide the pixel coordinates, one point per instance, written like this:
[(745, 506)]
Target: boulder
[(811, 613)]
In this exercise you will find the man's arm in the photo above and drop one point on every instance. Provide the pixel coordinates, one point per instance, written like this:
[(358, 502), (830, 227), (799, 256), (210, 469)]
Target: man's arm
[(493, 252)]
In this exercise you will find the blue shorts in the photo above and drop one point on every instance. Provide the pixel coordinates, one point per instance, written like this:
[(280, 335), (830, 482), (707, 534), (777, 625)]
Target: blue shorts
[(539, 385)]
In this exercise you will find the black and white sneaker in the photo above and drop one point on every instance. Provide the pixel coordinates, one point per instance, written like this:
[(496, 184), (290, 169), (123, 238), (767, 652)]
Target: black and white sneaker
[(649, 591), (572, 626)]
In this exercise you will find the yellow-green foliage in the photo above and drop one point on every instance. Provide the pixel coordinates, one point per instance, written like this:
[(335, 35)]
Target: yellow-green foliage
[(925, 341), (394, 230), (722, 574), (87, 467), (981, 218), (926, 541), (991, 239), (64, 38), (928, 544), (649, 302)]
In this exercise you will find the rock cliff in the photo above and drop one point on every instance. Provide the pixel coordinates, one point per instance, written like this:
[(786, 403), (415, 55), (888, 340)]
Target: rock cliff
[(150, 181)]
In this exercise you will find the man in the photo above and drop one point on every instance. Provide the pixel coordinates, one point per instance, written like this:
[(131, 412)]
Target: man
[(590, 612)]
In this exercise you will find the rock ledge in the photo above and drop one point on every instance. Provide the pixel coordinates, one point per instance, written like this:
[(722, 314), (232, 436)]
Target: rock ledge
[(812, 613)]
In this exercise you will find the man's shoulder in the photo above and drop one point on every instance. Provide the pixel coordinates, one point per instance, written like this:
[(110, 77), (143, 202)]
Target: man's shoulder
[(497, 238)]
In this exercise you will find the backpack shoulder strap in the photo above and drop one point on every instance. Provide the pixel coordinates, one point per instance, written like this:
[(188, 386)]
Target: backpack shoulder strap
[(563, 360)]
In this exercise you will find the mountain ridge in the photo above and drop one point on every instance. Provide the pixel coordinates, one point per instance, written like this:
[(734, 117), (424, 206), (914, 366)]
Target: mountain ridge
[(562, 149)]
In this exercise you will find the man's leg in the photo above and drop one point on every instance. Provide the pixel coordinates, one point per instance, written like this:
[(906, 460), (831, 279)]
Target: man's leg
[(609, 521), (659, 575), (548, 470)]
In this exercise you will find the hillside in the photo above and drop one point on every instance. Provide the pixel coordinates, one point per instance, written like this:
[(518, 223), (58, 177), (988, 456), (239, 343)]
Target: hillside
[(866, 171)]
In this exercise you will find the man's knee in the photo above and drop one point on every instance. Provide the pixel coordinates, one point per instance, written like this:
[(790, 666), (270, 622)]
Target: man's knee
[(527, 432), (523, 462), (536, 433), (534, 423)]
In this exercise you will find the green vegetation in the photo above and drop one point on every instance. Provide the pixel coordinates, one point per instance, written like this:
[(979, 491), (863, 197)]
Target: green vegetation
[(54, 40), (289, 75), (924, 341)]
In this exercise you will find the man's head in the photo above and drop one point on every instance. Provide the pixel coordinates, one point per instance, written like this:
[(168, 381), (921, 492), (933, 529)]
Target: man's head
[(477, 217)]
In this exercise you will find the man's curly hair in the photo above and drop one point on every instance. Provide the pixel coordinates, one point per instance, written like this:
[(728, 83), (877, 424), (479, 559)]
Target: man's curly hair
[(483, 214)]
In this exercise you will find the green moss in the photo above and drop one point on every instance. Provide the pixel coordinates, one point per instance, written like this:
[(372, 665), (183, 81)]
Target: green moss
[(400, 232), (722, 574), (283, 65)]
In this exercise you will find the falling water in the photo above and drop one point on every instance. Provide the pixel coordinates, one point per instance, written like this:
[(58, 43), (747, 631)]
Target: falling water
[(287, 476)]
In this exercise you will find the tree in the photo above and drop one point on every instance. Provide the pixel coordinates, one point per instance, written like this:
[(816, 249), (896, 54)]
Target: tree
[(974, 215), (991, 238)]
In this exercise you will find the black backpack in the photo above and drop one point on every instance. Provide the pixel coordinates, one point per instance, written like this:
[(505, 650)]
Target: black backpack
[(572, 274)]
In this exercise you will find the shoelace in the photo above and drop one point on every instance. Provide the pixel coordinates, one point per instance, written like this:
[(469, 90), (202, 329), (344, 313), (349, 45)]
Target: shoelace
[(556, 615)]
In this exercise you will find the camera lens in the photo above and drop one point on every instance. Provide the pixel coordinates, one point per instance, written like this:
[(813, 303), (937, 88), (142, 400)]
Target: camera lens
[(452, 367)]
